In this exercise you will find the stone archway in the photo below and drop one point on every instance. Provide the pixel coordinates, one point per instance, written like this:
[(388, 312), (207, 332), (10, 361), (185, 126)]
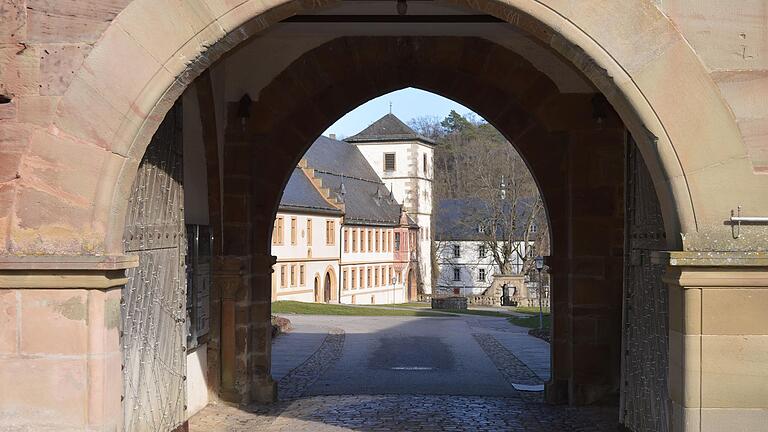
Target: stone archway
[(103, 122), (617, 57)]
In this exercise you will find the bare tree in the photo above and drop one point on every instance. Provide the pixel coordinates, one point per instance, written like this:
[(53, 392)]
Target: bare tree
[(474, 162)]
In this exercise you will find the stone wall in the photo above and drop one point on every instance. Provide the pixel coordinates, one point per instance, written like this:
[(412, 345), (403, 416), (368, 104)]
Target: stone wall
[(456, 303)]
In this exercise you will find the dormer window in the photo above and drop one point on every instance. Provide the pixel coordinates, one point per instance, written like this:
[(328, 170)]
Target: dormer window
[(389, 162)]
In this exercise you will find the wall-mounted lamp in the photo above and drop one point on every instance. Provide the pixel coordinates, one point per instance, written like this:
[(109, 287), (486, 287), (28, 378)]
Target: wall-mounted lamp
[(600, 108), (244, 108), (402, 9)]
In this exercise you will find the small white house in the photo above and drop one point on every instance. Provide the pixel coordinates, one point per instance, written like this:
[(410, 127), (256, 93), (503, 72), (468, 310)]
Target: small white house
[(465, 255)]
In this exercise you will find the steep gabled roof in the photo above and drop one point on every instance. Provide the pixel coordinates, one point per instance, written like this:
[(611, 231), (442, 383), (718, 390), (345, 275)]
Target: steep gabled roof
[(388, 128), (300, 194), (465, 218), (367, 201)]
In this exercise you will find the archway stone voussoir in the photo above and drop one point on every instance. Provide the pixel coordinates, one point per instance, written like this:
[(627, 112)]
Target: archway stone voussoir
[(85, 114), (689, 124), (163, 27)]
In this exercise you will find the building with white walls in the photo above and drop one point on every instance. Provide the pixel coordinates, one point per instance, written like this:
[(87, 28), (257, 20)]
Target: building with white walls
[(305, 241), (404, 161), (465, 252), (340, 235)]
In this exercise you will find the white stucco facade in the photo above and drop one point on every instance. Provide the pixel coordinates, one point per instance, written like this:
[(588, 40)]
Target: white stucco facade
[(369, 272), (466, 267), (307, 247)]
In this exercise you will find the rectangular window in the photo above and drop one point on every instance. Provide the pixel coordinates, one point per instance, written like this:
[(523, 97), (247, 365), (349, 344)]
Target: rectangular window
[(346, 240), (330, 231), (293, 275), (370, 240), (344, 283), (456, 274), (277, 232), (376, 273), (369, 279), (283, 279), (302, 276), (481, 275), (354, 240), (388, 279), (362, 240), (309, 232), (424, 158), (293, 230), (354, 278), (397, 241), (361, 285), (378, 240), (389, 241), (389, 161), (456, 251), (481, 251)]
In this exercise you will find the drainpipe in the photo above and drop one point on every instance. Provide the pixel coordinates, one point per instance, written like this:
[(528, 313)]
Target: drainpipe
[(341, 271)]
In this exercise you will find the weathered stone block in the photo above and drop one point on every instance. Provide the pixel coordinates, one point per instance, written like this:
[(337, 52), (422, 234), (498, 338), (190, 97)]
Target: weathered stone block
[(38, 110), (58, 65), (43, 392), (54, 322), (8, 318), (70, 20)]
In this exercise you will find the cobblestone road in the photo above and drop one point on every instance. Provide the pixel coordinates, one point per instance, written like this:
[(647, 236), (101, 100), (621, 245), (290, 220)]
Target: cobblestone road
[(406, 413), (303, 409)]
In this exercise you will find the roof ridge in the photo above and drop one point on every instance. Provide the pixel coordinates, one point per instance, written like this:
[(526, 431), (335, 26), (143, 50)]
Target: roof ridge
[(388, 127)]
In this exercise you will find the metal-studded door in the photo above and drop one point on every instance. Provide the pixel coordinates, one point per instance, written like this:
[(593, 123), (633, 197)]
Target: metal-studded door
[(644, 400), (153, 305)]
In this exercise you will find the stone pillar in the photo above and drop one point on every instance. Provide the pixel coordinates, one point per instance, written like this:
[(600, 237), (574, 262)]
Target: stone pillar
[(718, 340), (587, 216), (60, 357), (263, 387), (229, 278)]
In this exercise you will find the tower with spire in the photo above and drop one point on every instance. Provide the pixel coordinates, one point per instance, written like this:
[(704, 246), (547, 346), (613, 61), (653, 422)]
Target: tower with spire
[(404, 160)]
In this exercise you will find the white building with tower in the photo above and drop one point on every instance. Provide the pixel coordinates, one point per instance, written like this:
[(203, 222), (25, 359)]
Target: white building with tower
[(403, 159)]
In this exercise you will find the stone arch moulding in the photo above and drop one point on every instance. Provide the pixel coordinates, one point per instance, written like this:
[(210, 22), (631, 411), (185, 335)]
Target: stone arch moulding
[(638, 60)]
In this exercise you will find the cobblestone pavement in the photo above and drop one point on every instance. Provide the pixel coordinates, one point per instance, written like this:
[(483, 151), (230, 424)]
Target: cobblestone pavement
[(514, 371), (296, 383), (300, 409), (406, 413)]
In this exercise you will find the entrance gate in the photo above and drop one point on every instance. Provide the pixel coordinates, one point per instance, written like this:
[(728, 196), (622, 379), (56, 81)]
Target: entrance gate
[(644, 401), (153, 304)]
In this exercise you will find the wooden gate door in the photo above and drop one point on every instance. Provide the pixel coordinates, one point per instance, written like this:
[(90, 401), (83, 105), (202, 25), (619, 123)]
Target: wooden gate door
[(153, 305), (644, 401)]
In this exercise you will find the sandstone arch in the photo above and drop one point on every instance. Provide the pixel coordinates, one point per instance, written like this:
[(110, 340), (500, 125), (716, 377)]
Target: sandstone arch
[(109, 107)]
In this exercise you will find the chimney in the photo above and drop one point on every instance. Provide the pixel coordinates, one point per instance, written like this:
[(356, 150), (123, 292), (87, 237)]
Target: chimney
[(332, 136)]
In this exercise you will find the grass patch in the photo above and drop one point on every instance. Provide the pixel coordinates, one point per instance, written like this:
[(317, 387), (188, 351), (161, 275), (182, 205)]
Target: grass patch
[(409, 305), (476, 312), (300, 308), (529, 310), (531, 321)]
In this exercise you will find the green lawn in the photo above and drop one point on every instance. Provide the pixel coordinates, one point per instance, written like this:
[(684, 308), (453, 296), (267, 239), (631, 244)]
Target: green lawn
[(411, 305), (531, 321), (476, 312), (529, 310), (300, 308)]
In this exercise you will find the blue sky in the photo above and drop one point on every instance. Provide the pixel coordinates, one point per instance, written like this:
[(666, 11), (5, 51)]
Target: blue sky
[(406, 104)]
